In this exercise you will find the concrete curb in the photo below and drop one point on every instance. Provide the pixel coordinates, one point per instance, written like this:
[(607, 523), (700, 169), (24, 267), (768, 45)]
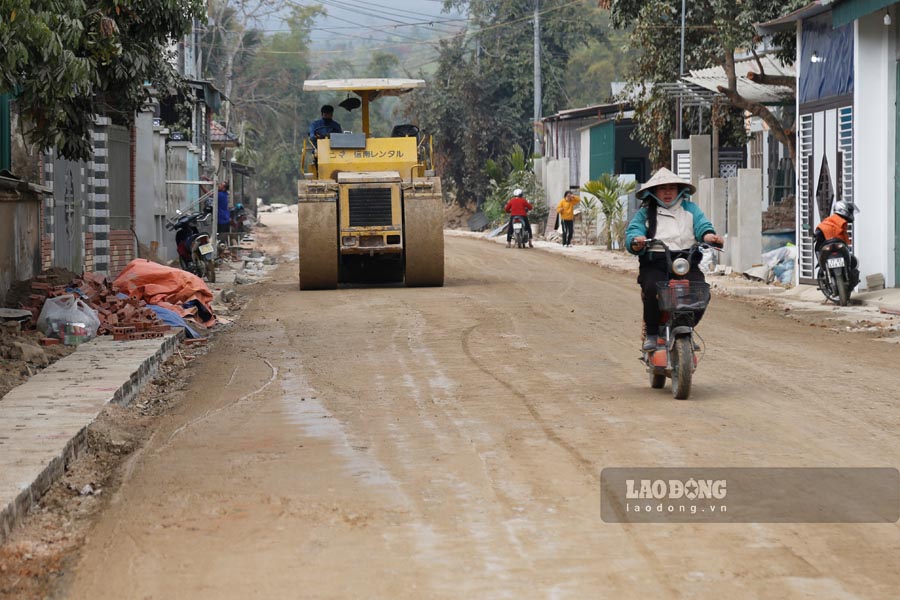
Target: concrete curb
[(44, 422)]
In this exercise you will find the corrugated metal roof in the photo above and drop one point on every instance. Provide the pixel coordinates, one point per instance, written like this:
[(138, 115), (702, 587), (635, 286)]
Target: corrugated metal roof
[(594, 110), (714, 77)]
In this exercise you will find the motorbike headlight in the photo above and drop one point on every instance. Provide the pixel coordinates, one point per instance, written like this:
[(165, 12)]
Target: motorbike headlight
[(681, 266)]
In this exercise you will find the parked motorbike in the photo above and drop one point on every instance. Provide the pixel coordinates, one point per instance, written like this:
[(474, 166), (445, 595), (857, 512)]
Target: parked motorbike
[(520, 234), (836, 276), (679, 301), (240, 220), (196, 253)]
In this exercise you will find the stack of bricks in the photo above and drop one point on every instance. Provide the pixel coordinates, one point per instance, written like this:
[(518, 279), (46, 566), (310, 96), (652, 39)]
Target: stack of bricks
[(124, 318), (40, 291), (138, 331)]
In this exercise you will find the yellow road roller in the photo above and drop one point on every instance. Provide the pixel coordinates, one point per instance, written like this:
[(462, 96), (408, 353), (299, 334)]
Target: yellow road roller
[(369, 208)]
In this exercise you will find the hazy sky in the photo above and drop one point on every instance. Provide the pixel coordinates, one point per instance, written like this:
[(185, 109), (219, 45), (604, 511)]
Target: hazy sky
[(375, 19)]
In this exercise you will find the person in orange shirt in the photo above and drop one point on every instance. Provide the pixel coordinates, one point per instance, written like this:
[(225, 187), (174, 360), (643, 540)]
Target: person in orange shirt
[(566, 211), (835, 227)]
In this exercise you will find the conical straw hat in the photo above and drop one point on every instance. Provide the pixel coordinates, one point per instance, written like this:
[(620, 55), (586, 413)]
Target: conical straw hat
[(662, 177)]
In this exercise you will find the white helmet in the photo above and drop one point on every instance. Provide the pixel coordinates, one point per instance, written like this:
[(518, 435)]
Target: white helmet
[(846, 210), (517, 192)]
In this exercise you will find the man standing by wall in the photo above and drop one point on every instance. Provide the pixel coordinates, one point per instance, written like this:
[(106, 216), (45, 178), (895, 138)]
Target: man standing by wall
[(223, 214)]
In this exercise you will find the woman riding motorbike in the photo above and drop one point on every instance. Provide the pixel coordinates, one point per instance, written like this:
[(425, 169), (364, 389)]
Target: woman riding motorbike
[(668, 215)]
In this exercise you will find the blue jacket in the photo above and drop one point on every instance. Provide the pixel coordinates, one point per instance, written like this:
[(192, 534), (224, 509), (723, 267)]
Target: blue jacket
[(638, 225), (223, 215), (332, 125)]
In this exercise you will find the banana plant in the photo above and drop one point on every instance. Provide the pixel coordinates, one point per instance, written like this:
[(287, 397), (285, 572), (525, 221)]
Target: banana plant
[(607, 190)]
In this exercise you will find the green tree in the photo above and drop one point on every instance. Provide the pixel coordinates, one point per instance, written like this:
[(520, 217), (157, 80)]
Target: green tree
[(511, 172), (383, 64), (716, 30), (594, 66), (269, 110), (69, 60), (480, 103), (606, 191)]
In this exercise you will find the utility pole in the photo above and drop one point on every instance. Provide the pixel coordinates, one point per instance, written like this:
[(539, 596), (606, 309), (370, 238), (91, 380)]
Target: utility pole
[(537, 77), (680, 72)]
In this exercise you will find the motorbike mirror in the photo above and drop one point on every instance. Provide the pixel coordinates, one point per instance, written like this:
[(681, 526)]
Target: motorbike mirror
[(178, 211)]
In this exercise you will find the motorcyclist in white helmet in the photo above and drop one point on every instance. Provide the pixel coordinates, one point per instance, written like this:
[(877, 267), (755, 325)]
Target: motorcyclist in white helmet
[(837, 226), (518, 206)]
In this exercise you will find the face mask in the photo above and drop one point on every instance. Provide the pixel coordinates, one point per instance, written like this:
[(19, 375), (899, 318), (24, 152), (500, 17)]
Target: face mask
[(668, 204), (676, 200)]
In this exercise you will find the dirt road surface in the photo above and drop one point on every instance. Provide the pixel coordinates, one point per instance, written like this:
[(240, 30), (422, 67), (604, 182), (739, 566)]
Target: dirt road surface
[(384, 442)]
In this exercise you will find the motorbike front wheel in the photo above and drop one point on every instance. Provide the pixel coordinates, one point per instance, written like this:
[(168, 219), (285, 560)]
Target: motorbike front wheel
[(682, 367)]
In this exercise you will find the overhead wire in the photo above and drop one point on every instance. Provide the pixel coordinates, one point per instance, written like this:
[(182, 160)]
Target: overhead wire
[(432, 41), (355, 6)]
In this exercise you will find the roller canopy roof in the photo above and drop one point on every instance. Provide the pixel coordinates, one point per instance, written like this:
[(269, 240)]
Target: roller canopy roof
[(376, 87)]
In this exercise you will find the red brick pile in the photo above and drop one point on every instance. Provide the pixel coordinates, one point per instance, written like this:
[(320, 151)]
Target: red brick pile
[(125, 319), (780, 216)]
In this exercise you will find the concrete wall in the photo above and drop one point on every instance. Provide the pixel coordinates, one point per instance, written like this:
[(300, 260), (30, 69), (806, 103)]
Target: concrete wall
[(873, 142), (701, 158), (146, 207), (193, 174), (678, 147), (165, 238), (155, 201), (556, 182), (744, 242), (712, 196), (584, 170)]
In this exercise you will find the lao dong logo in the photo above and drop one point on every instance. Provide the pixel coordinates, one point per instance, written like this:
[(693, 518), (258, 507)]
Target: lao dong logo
[(675, 489)]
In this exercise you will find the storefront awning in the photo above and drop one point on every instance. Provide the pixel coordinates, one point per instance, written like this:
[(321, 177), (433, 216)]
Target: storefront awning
[(789, 21), (848, 11)]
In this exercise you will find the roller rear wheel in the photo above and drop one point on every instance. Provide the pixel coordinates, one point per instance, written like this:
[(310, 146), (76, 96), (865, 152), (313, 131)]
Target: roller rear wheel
[(423, 239), (318, 249)]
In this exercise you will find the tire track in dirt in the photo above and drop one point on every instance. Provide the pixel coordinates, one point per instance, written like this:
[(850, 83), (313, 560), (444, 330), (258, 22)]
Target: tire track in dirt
[(585, 465)]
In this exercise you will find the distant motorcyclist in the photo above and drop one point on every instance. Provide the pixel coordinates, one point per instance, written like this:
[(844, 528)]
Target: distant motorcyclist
[(517, 206), (836, 227)]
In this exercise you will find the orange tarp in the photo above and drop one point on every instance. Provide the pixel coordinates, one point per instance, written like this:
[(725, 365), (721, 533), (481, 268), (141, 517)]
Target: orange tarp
[(164, 286)]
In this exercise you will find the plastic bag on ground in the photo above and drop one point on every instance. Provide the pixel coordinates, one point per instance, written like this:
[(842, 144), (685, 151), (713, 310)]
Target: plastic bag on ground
[(779, 255), (69, 319), (784, 272)]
